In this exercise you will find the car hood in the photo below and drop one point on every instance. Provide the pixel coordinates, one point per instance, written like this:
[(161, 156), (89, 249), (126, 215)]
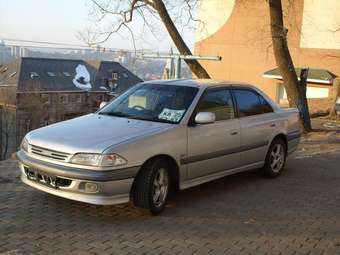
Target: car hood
[(92, 133)]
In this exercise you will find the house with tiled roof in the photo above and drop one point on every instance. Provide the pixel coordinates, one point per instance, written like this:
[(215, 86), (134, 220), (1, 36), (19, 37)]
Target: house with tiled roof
[(35, 92)]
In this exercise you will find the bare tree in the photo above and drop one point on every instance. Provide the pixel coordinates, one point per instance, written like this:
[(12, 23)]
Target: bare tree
[(7, 121), (336, 88), (123, 13), (8, 124), (296, 91), (33, 107), (162, 9)]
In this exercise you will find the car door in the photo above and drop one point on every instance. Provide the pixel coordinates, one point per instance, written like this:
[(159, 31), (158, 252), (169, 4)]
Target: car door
[(256, 123), (213, 147)]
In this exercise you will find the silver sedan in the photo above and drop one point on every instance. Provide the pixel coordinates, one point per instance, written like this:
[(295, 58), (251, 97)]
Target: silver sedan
[(157, 138)]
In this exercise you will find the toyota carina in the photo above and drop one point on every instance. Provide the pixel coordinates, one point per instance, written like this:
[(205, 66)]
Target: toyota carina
[(157, 138)]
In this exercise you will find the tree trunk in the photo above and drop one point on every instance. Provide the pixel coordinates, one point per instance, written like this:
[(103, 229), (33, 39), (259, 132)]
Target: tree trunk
[(302, 100), (194, 65), (296, 97), (336, 89), (4, 155)]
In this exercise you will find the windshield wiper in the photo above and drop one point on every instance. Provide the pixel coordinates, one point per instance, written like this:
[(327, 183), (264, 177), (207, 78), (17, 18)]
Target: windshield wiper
[(116, 114), (154, 119), (125, 115)]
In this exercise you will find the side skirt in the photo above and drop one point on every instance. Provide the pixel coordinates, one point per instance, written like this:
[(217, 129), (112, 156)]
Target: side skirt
[(208, 178)]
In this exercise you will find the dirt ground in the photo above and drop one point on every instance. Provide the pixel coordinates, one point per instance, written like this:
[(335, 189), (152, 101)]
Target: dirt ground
[(324, 139)]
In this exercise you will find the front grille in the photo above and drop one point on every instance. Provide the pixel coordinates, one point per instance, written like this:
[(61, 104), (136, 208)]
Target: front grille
[(51, 181), (47, 153)]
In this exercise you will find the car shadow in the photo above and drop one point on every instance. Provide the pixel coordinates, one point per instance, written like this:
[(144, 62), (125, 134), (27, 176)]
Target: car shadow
[(194, 202)]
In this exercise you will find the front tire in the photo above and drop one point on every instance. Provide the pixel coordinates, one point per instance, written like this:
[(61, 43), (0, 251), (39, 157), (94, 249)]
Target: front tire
[(275, 159), (152, 186)]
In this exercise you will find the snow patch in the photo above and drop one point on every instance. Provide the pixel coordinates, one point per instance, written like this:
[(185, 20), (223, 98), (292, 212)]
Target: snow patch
[(104, 88), (82, 78)]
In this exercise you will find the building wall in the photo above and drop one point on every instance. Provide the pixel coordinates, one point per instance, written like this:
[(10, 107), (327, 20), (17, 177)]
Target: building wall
[(7, 121), (34, 110), (241, 35), (320, 98)]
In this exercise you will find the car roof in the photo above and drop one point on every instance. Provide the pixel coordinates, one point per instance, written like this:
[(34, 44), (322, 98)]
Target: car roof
[(198, 83)]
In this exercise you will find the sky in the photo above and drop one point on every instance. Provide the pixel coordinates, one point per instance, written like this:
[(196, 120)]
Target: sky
[(61, 21)]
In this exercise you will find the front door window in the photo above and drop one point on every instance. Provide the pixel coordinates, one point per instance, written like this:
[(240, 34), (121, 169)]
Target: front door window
[(218, 101)]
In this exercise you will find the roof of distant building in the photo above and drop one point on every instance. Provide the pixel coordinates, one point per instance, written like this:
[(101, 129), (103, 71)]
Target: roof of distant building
[(52, 74)]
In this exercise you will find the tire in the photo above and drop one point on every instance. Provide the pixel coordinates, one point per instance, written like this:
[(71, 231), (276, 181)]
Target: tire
[(152, 186), (275, 159)]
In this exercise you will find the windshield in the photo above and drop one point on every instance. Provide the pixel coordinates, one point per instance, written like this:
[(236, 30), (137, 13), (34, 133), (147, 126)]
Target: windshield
[(152, 102)]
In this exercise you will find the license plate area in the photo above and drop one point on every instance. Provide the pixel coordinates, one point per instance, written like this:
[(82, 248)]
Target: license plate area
[(47, 180)]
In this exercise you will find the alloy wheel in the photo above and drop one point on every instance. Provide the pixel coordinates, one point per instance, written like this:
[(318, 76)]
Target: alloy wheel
[(277, 158), (160, 187)]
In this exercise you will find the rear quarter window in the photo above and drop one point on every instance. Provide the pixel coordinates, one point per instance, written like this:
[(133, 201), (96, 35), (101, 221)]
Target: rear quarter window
[(250, 103)]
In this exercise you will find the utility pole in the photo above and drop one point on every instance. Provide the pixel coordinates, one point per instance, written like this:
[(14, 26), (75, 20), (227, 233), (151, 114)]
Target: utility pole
[(178, 58)]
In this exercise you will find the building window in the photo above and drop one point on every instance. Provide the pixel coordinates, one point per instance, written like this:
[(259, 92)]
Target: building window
[(115, 76), (46, 98), (33, 75), (72, 98), (75, 98), (66, 74), (63, 99), (78, 98), (51, 74)]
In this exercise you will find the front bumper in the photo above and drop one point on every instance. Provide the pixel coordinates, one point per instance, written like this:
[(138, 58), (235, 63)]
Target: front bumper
[(111, 187)]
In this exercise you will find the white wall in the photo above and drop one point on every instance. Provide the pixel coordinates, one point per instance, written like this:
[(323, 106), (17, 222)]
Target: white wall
[(321, 18), (213, 14), (312, 92)]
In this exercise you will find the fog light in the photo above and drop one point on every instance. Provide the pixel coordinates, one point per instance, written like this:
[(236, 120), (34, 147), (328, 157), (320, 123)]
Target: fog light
[(91, 187)]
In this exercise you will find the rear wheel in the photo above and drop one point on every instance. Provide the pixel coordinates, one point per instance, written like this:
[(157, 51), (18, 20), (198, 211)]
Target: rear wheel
[(275, 159), (152, 186)]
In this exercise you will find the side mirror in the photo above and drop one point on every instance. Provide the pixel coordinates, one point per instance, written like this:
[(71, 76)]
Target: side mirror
[(103, 104), (205, 118)]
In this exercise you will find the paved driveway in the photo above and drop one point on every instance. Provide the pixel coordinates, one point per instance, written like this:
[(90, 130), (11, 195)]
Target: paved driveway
[(298, 213)]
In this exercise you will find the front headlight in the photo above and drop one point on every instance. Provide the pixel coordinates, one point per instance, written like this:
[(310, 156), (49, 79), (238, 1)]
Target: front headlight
[(24, 145), (104, 160)]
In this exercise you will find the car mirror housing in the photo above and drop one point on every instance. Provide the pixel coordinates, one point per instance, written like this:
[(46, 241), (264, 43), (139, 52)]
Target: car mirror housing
[(205, 118), (103, 104)]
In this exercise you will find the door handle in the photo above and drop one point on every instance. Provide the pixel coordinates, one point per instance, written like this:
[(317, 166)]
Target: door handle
[(273, 125), (234, 132)]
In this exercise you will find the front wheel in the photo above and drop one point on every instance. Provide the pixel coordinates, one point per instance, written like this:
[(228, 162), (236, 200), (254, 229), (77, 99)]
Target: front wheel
[(152, 186), (275, 159)]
